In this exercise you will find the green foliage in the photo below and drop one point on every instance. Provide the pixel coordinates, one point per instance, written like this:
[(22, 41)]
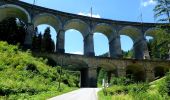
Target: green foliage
[(162, 10), (47, 42), (102, 74), (23, 76), (159, 45), (128, 54), (13, 31), (121, 81), (43, 43), (157, 90)]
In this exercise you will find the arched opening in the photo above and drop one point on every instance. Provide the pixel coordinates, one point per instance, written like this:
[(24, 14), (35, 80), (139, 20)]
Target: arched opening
[(101, 45), (135, 72), (44, 38), (150, 36), (135, 35), (126, 46), (101, 41), (13, 23), (160, 71), (78, 67), (50, 22), (105, 72), (13, 30), (75, 31), (15, 11), (74, 42)]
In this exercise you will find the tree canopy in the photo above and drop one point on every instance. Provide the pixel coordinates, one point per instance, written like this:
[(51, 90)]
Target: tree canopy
[(162, 10)]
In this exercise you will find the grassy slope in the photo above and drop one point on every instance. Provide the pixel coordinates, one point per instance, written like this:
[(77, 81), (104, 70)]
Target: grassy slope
[(150, 93), (23, 76)]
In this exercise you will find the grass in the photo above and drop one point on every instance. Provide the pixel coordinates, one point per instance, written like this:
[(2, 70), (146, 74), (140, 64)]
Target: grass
[(140, 91), (23, 76)]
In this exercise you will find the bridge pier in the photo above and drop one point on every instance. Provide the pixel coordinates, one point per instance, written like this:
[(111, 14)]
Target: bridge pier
[(115, 48), (60, 41), (28, 36), (89, 77), (120, 72), (150, 75), (89, 45), (141, 50)]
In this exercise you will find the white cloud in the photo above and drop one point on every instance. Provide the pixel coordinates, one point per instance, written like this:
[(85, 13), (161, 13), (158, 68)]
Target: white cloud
[(88, 14), (148, 3), (77, 52)]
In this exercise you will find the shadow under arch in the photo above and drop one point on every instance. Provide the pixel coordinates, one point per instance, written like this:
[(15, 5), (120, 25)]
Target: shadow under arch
[(152, 32), (133, 32), (10, 10), (135, 72), (49, 19), (108, 70), (138, 39), (104, 28), (160, 71), (77, 24)]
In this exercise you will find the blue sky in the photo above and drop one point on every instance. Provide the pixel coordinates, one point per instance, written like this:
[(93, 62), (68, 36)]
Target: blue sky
[(126, 10)]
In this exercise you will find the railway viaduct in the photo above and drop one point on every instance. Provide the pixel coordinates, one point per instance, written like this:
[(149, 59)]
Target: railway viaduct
[(61, 21)]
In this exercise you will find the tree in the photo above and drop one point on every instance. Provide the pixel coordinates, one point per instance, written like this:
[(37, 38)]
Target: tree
[(158, 47), (47, 42), (37, 40), (162, 10), (13, 31), (127, 54)]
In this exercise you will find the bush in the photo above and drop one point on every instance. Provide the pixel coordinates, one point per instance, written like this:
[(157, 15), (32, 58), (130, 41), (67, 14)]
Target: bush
[(23, 76), (121, 81)]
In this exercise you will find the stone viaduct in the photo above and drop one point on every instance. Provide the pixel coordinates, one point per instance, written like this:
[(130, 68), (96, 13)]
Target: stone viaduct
[(35, 15)]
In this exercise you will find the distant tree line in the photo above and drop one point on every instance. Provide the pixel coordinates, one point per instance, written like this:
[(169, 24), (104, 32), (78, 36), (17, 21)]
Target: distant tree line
[(13, 30), (43, 43)]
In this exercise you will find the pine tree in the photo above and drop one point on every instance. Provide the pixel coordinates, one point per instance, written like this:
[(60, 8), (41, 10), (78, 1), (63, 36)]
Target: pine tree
[(162, 9), (13, 31), (47, 43)]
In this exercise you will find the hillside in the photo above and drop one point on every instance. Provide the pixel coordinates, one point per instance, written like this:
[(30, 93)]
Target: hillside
[(156, 90), (23, 76)]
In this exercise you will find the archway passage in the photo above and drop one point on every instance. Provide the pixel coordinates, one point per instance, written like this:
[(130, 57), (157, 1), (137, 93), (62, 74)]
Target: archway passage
[(135, 72), (15, 11), (160, 71), (101, 45), (105, 72), (74, 42), (126, 46)]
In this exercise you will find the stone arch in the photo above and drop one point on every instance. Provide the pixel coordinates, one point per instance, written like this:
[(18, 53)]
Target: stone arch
[(10, 10), (133, 32), (46, 18), (106, 32), (136, 72), (104, 28), (151, 32), (160, 71), (76, 64), (77, 24), (109, 69)]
